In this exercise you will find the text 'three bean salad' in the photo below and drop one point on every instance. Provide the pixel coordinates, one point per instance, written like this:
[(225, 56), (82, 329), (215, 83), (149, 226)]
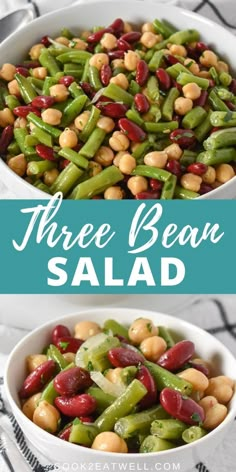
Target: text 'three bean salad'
[(120, 113), (123, 390)]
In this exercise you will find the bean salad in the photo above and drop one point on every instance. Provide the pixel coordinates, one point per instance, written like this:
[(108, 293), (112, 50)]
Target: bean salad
[(120, 113), (118, 389)]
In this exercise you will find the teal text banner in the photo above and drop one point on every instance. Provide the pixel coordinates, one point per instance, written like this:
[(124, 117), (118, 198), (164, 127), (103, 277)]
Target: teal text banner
[(164, 247)]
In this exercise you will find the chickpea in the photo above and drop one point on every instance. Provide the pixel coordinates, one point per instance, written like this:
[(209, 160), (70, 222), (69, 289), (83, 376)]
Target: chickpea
[(137, 184), (224, 172), (204, 73), (35, 51), (118, 63), (51, 116), (120, 80), (141, 329), (63, 40), (69, 357), (30, 405), (173, 151), (208, 402), (86, 329), (7, 72), (39, 72), (104, 156), (20, 122), (209, 176), (208, 58), (153, 348), (106, 123), (13, 88), (81, 120), (215, 416), (114, 193), (114, 375), (127, 164), (118, 141), (198, 380), (148, 27), (118, 157), (6, 117), (33, 361), (156, 159), (149, 39), (68, 138), (191, 65), (99, 60), (222, 388), (59, 92), (109, 442), (192, 91), (178, 50), (85, 35), (50, 176), (131, 60), (127, 27), (109, 41), (77, 43), (18, 164), (191, 182), (46, 416), (94, 168), (221, 66), (183, 105)]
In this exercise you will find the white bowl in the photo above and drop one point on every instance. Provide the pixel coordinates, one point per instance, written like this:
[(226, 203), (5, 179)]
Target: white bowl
[(68, 455), (85, 16)]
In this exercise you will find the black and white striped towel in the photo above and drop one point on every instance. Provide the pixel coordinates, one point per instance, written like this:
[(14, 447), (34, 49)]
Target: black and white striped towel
[(216, 315)]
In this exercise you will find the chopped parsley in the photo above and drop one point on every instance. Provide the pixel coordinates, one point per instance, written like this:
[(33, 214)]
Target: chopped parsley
[(196, 417), (64, 345), (90, 366)]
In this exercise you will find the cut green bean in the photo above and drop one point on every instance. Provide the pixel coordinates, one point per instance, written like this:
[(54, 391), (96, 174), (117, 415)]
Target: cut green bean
[(168, 429), (134, 116), (156, 61), (42, 186), (216, 102), (13, 148), (141, 150), (116, 328), (74, 56), (168, 188), (128, 374), (38, 167), (42, 136), (75, 90), (139, 423), (185, 36), (163, 378), (153, 89), (85, 75), (55, 132), (72, 110), (67, 179), (165, 127), (83, 434), (152, 172), (99, 183), (225, 79), (163, 28), (74, 157), (26, 89), (155, 444), (193, 434), (103, 399), (177, 69), (20, 135), (90, 125), (94, 78), (48, 83), (164, 333), (76, 70), (93, 143), (168, 105), (220, 139), (184, 79), (31, 140), (194, 117), (133, 87), (12, 101), (184, 194), (97, 357), (227, 119), (204, 128), (217, 156), (54, 354), (224, 93), (117, 94), (188, 157)]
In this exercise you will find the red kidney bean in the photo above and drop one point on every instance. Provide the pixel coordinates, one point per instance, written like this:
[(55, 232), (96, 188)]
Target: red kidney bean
[(213, 130), (142, 73), (105, 74), (205, 188), (29, 65), (37, 379), (71, 381), (67, 80), (23, 71), (45, 152), (171, 59), (123, 45), (79, 405), (86, 419), (230, 105), (5, 139), (124, 357), (163, 79), (113, 110), (193, 53), (202, 368), (65, 433), (68, 344), (24, 110), (97, 36), (117, 26), (176, 85), (201, 101), (201, 47), (148, 195), (58, 332), (144, 376), (184, 137), (175, 357), (86, 87), (45, 41), (63, 164), (155, 184), (232, 86), (132, 36), (174, 167), (141, 103), (182, 408), (97, 197), (211, 83), (43, 101), (119, 54), (197, 168), (132, 131)]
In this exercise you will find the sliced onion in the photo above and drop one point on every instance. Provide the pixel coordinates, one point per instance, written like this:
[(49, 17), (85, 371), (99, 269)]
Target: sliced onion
[(98, 95), (88, 345), (56, 44), (108, 387)]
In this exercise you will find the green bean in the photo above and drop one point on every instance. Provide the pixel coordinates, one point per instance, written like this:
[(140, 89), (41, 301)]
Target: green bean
[(188, 157), (163, 378), (165, 127), (134, 116), (128, 374), (97, 357), (153, 89), (164, 333), (55, 132), (36, 83), (161, 45), (74, 157), (57, 48), (72, 110), (76, 70), (133, 87), (223, 118), (67, 33), (42, 136), (93, 143), (4, 92), (168, 188), (31, 140), (20, 135), (54, 354), (152, 172), (85, 75), (168, 105), (141, 150), (185, 36), (154, 444), (48, 83), (163, 28), (222, 138), (184, 194), (12, 101), (75, 90), (83, 434), (214, 75), (26, 89), (156, 61), (224, 93), (216, 102), (103, 399), (168, 429), (117, 94), (90, 125), (99, 183), (41, 186), (66, 179), (122, 406), (74, 56), (194, 118), (204, 128), (193, 434), (94, 78), (139, 423), (13, 148), (225, 79), (217, 156), (40, 166), (116, 328), (184, 79), (177, 69)]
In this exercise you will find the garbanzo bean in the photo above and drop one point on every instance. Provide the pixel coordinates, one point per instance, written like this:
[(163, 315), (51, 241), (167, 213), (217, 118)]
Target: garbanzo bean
[(33, 361), (106, 123), (104, 156), (51, 116), (7, 72), (108, 41), (46, 416), (192, 91), (191, 65), (114, 193), (18, 164), (198, 380), (39, 72), (183, 105), (149, 39), (208, 58), (118, 141), (99, 60), (137, 184), (222, 388), (178, 50), (173, 151), (153, 348), (156, 159), (6, 117), (35, 51), (20, 122), (86, 329), (94, 168), (131, 60), (30, 405), (224, 173), (118, 157), (221, 66), (127, 164), (68, 138), (148, 27), (120, 80), (215, 416), (191, 182), (209, 176), (141, 329), (50, 176), (69, 357), (77, 43), (13, 88), (59, 92), (114, 375), (109, 442), (81, 120), (63, 40)]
